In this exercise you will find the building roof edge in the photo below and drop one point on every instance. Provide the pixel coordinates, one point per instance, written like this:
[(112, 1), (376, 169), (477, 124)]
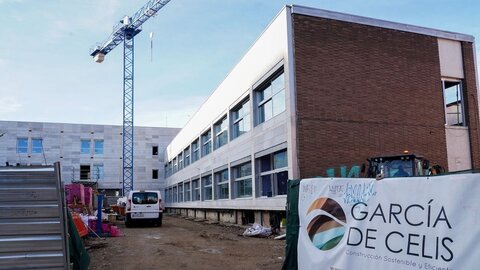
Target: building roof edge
[(309, 11)]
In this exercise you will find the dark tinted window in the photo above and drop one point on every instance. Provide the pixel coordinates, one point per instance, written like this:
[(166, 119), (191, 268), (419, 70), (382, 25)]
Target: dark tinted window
[(144, 198)]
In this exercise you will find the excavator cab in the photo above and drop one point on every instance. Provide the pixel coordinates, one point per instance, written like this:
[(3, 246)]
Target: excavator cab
[(397, 166)]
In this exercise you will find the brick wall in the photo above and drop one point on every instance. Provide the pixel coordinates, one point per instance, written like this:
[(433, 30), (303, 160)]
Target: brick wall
[(364, 91)]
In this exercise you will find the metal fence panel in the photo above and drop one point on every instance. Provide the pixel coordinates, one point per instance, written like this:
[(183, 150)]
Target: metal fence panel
[(32, 219)]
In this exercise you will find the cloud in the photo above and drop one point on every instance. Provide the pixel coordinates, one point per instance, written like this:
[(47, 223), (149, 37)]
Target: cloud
[(9, 105)]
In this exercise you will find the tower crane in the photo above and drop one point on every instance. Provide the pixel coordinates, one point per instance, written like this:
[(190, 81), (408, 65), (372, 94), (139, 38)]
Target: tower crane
[(125, 31)]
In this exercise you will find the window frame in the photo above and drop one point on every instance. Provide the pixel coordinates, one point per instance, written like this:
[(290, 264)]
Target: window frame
[(24, 148), (175, 194), (238, 178), (196, 190), (84, 172), (220, 131), (261, 99), (101, 172), (36, 149), (205, 186), (195, 150), (155, 173), (187, 191), (180, 161), (273, 173), (236, 118), (98, 150), (175, 165), (154, 150), (460, 99), (222, 179), (206, 143), (83, 150), (186, 156), (180, 192)]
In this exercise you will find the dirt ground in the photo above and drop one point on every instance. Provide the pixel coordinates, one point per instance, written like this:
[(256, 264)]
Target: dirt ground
[(185, 244)]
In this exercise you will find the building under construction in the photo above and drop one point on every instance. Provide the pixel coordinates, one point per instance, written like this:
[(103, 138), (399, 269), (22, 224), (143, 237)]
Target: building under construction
[(88, 154), (317, 94)]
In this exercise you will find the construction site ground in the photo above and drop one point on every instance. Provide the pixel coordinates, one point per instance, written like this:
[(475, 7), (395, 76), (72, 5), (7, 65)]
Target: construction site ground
[(185, 244)]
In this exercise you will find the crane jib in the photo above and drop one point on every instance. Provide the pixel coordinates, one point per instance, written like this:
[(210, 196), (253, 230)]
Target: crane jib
[(135, 22)]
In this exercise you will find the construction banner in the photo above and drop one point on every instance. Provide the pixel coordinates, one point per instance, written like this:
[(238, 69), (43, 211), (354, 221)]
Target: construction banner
[(396, 223)]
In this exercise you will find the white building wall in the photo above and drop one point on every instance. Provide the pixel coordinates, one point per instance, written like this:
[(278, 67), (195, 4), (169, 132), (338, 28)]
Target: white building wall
[(61, 142), (269, 52)]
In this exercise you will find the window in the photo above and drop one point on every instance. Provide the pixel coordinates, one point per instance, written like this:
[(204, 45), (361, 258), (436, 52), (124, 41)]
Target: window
[(242, 179), (155, 174), (180, 161), (180, 192), (206, 143), (22, 145), (196, 190), (196, 150), (240, 119), (154, 150), (85, 147), (84, 172), (221, 184), (270, 98), (186, 195), (98, 147), (144, 197), (175, 165), (168, 195), (273, 172), (452, 91), (37, 147), (97, 172), (221, 132), (175, 195), (207, 187), (186, 157)]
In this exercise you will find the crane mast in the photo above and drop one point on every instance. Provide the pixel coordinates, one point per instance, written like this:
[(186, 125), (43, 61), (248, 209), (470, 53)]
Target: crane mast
[(125, 31)]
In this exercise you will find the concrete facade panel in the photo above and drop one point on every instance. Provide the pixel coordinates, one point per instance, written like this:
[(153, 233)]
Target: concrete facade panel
[(458, 149), (451, 60), (61, 142)]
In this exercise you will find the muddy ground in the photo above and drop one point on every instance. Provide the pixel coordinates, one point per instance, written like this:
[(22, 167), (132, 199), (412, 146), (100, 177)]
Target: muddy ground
[(185, 244)]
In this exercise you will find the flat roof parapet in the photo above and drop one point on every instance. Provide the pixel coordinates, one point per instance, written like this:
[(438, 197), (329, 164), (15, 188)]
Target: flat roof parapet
[(322, 13)]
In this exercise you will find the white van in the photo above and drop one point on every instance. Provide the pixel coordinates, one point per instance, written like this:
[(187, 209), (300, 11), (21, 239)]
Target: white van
[(142, 206)]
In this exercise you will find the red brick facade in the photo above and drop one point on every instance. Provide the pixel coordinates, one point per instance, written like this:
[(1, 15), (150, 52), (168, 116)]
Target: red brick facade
[(364, 91)]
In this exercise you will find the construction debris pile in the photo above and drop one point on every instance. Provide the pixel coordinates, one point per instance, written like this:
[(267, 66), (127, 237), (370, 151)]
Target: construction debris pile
[(88, 222)]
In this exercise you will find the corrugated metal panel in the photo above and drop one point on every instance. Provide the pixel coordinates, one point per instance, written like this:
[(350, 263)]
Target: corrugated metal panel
[(32, 219)]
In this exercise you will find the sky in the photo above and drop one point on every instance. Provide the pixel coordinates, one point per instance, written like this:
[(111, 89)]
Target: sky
[(48, 75)]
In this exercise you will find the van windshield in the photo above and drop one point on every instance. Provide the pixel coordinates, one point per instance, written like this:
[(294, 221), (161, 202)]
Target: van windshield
[(145, 198)]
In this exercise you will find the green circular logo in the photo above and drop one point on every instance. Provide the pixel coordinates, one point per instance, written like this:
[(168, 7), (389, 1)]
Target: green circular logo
[(326, 229)]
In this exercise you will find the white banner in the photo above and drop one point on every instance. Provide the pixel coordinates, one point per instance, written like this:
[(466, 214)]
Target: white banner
[(396, 223)]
